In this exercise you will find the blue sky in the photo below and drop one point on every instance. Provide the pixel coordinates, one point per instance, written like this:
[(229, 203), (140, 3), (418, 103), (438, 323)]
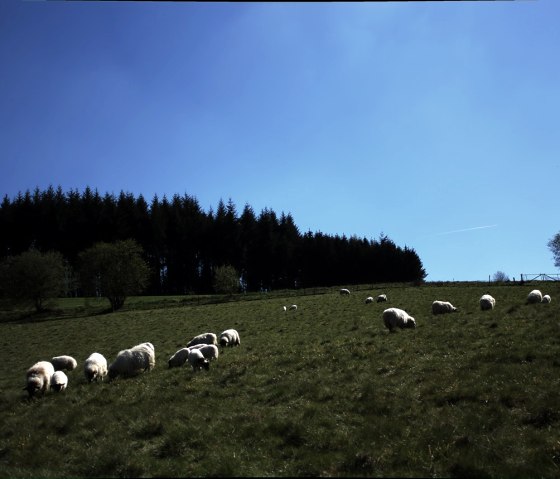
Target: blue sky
[(435, 123)]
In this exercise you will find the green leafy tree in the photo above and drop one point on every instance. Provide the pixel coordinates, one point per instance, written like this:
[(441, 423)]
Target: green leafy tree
[(33, 277), (554, 245), (114, 270), (226, 280)]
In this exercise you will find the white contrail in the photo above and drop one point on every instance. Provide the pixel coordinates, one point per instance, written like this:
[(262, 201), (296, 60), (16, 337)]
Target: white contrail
[(466, 229)]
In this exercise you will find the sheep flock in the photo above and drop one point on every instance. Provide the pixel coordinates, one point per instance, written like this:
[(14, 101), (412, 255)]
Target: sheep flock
[(202, 349), (198, 353)]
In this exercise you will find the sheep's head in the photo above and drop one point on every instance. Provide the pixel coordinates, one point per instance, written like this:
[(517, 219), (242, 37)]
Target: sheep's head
[(224, 342), (91, 373), (411, 323), (206, 364), (33, 386)]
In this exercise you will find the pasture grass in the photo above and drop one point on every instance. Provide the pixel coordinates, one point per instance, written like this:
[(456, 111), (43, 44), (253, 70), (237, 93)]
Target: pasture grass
[(322, 391)]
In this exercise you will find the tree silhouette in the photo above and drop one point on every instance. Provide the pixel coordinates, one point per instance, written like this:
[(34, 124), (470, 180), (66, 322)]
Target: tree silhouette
[(554, 245), (183, 245), (33, 277), (114, 270)]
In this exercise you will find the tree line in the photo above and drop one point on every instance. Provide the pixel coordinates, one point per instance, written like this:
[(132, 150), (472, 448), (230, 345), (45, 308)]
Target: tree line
[(183, 245)]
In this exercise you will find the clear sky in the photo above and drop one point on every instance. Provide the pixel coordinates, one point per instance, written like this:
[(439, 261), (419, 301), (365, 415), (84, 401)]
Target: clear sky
[(435, 123)]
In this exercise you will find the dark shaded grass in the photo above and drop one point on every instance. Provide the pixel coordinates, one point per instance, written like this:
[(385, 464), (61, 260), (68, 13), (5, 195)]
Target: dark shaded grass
[(321, 391)]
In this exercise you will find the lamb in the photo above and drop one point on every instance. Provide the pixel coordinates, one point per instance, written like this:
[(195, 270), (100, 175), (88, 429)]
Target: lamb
[(293, 307), (284, 308), (205, 338), (442, 307), (95, 367), (534, 296), (67, 363), (179, 358), (487, 302), (369, 299), (59, 381), (133, 361), (197, 360), (230, 337), (344, 291), (394, 317), (382, 298), (38, 378), (546, 298), (209, 351)]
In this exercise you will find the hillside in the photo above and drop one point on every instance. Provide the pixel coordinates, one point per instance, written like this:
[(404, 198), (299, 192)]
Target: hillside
[(325, 390)]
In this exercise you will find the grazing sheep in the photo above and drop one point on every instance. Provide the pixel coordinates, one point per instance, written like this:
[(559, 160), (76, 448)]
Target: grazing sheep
[(230, 337), (284, 308), (487, 302), (197, 360), (382, 298), (38, 378), (395, 317), (59, 381), (209, 351), (179, 358), (442, 307), (67, 363), (369, 299), (344, 291), (147, 345), (205, 338), (95, 367), (133, 361), (293, 307), (546, 298), (534, 296)]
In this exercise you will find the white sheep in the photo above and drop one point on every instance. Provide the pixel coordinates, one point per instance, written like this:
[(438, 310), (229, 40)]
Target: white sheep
[(95, 367), (284, 308), (443, 307), (395, 317), (197, 360), (230, 337), (487, 302), (293, 307), (205, 338), (369, 299), (344, 291), (147, 345), (59, 381), (67, 363), (546, 298), (209, 351), (38, 378), (382, 298), (534, 296), (179, 358), (133, 361)]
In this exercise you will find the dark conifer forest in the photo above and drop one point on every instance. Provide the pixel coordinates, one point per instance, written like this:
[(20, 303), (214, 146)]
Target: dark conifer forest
[(183, 245)]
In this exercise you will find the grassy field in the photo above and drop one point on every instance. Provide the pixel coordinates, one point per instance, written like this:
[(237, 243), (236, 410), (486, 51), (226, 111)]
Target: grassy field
[(322, 391)]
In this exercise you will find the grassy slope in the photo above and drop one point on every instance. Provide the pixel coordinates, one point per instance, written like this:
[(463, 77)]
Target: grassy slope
[(324, 390)]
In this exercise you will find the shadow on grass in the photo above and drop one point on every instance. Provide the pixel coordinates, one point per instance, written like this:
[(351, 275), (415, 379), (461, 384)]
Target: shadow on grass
[(54, 314)]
